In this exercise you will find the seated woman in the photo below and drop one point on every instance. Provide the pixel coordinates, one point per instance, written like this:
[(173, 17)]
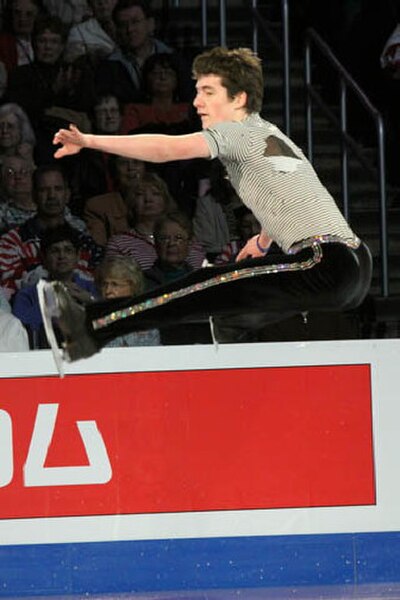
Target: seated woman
[(163, 109), (107, 215), (119, 277), (173, 234), (151, 202), (16, 133)]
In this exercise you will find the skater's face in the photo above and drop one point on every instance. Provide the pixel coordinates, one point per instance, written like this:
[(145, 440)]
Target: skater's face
[(172, 244), (213, 104)]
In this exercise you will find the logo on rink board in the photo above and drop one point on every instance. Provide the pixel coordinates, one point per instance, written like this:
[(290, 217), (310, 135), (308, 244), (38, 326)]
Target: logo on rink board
[(203, 440)]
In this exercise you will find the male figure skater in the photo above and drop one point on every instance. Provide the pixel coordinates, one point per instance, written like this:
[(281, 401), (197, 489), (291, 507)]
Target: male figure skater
[(323, 264)]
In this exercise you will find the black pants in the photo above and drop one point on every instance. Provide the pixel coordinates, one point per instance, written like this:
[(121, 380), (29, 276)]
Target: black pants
[(327, 277)]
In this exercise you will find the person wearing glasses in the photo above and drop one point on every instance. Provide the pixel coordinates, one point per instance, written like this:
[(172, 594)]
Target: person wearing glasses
[(121, 277), (173, 236), (322, 265)]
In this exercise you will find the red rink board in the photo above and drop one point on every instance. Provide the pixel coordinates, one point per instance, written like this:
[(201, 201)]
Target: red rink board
[(226, 439)]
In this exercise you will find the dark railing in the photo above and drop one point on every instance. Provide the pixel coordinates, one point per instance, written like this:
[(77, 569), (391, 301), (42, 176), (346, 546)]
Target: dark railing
[(313, 40)]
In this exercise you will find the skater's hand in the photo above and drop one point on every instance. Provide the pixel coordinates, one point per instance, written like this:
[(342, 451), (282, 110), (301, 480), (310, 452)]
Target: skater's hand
[(72, 141), (255, 247)]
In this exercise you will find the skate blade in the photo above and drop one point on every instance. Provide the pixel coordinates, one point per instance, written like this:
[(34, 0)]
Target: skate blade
[(48, 308)]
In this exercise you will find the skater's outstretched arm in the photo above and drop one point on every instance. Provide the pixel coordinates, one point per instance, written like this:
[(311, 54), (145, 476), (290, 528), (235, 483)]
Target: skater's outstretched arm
[(146, 147)]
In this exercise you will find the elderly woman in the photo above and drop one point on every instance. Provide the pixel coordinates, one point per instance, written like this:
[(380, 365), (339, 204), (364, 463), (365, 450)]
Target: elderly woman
[(119, 277), (173, 235), (151, 201), (16, 133)]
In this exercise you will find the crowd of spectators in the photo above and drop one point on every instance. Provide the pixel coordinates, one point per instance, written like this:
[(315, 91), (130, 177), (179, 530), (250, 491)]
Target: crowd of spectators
[(102, 224), (102, 65)]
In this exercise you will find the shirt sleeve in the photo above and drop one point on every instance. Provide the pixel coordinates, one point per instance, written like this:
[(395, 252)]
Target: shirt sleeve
[(228, 140)]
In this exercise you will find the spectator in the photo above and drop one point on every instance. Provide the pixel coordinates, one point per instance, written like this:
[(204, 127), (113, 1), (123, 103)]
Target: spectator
[(117, 277), (16, 40), (16, 132), (173, 235), (107, 215), (121, 72), (35, 86), (248, 226), (16, 183), (20, 260), (93, 172), (60, 251), (19, 203), (3, 80), (214, 221), (69, 12), (152, 201), (102, 11), (162, 109), (87, 35), (13, 337)]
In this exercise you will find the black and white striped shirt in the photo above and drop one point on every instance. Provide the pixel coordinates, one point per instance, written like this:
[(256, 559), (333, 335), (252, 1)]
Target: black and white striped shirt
[(283, 191)]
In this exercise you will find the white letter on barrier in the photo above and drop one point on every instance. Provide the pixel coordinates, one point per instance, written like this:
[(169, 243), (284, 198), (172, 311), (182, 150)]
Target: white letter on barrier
[(36, 474), (6, 456)]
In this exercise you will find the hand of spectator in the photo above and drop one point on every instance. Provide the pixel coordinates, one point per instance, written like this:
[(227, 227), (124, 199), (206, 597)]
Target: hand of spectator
[(253, 248), (72, 141)]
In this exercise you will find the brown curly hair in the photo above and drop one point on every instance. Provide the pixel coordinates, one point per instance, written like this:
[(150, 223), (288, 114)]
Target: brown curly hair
[(240, 71)]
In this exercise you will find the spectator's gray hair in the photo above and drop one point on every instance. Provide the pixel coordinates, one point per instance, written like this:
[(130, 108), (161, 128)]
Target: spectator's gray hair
[(25, 127), (125, 267)]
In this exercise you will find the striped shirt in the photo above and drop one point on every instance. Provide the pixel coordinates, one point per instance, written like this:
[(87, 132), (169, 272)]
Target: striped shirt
[(143, 250), (283, 191)]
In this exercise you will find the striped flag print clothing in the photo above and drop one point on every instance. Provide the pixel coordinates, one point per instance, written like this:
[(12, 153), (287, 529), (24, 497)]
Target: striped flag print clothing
[(142, 249)]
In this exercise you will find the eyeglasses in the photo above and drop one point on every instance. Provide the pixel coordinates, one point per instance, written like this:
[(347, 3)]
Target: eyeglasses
[(178, 239), (14, 172), (113, 284)]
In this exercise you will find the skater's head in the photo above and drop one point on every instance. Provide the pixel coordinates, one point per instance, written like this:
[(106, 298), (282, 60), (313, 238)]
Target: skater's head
[(119, 277), (229, 85)]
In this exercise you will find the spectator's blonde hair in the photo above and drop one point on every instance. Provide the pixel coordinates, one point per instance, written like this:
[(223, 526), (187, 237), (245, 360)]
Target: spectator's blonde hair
[(124, 267)]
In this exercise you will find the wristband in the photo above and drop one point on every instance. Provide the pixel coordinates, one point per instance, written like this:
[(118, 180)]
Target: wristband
[(261, 249)]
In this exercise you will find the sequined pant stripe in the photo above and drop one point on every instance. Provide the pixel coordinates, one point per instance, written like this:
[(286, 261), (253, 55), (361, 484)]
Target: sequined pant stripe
[(217, 280)]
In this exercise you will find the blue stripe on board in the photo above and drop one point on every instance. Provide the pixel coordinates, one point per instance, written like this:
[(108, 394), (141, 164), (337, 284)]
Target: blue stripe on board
[(199, 564)]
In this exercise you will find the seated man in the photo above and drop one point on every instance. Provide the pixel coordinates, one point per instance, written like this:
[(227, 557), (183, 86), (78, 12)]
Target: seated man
[(20, 260), (60, 249)]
